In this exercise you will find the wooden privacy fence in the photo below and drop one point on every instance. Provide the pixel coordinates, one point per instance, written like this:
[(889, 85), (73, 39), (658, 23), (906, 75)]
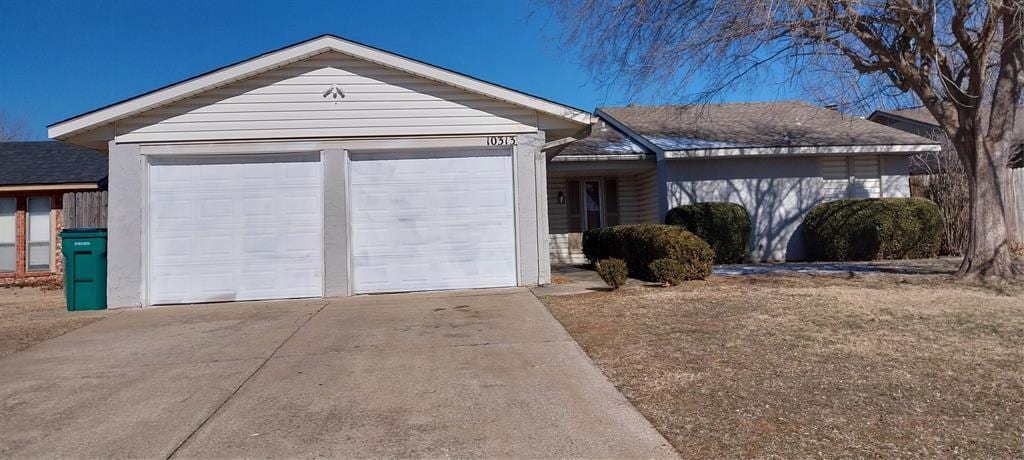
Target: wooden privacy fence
[(1015, 197), (85, 210)]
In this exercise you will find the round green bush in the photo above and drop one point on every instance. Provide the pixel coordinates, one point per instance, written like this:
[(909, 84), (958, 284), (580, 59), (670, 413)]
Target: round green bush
[(668, 271), (640, 244), (725, 226), (612, 271), (873, 229)]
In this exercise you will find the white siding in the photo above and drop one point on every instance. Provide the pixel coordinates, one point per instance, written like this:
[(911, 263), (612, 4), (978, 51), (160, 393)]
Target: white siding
[(866, 178), (895, 178), (851, 176), (289, 102), (778, 192), (835, 175)]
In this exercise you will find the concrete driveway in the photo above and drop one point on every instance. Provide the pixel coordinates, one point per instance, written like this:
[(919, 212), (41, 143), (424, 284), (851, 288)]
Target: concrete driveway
[(466, 374)]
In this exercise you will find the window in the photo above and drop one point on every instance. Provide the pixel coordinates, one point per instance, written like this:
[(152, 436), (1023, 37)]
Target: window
[(38, 234), (851, 177), (592, 203), (866, 180), (8, 208)]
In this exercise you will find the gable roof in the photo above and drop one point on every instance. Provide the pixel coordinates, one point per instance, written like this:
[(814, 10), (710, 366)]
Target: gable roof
[(779, 127), (50, 163), (297, 52)]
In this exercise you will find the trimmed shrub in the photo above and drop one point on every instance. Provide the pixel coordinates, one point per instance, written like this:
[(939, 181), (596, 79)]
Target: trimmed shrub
[(612, 271), (639, 245), (725, 226), (873, 229), (668, 272)]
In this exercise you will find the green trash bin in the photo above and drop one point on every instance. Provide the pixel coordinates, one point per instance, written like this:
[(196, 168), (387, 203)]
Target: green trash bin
[(85, 268)]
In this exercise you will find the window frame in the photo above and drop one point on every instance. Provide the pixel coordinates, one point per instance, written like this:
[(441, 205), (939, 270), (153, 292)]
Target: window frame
[(28, 232), (14, 232)]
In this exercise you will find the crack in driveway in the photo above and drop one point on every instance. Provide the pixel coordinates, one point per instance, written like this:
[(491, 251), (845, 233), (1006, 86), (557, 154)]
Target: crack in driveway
[(244, 381)]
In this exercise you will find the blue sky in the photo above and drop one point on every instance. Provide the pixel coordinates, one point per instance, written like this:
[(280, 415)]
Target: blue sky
[(59, 59)]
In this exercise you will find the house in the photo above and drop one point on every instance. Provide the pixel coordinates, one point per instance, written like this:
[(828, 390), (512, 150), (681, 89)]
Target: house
[(325, 168), (919, 120), (33, 179), (778, 160)]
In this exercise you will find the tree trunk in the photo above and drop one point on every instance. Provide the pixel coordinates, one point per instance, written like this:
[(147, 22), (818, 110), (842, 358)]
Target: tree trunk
[(988, 246)]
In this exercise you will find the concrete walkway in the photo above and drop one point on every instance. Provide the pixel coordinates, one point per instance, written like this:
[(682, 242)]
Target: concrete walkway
[(467, 374)]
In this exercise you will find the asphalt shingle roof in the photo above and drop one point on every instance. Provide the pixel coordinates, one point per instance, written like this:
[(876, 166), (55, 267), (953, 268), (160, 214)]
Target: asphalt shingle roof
[(49, 162), (603, 140), (751, 125), (922, 115)]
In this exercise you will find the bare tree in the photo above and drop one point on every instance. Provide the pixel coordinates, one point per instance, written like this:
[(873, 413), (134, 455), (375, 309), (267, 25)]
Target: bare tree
[(945, 183), (962, 59), (11, 130)]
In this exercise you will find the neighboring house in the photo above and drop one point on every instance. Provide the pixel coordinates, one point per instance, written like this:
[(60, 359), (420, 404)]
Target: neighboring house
[(33, 178), (778, 160), (919, 120), (326, 168)]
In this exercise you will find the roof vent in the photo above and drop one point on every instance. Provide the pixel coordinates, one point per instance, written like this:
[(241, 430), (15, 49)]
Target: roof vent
[(832, 107)]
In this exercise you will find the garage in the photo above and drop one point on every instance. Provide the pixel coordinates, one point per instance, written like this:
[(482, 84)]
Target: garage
[(325, 168), (432, 220), (235, 227)]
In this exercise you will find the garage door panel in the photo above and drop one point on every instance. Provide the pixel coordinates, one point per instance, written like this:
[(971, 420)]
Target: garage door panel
[(235, 228), (424, 221)]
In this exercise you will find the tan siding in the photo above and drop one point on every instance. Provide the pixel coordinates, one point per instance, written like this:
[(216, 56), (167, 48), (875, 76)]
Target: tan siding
[(289, 102), (563, 246), (637, 198), (647, 184)]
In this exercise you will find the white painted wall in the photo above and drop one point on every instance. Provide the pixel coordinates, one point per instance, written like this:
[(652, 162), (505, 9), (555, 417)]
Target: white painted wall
[(776, 191), (288, 102)]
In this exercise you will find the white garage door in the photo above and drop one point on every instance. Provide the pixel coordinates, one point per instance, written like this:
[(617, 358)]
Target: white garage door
[(424, 221), (235, 228)]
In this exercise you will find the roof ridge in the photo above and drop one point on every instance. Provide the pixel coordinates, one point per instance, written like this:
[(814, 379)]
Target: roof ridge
[(715, 104)]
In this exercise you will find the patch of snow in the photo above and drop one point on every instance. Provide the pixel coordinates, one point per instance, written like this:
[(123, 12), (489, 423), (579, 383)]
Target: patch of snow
[(622, 147), (690, 143)]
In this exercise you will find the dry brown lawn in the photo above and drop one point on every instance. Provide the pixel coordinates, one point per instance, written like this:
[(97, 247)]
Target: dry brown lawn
[(801, 366), (30, 315)]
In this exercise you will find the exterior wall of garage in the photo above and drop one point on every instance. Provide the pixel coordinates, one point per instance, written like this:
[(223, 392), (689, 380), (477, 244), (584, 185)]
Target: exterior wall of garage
[(128, 203), (776, 191)]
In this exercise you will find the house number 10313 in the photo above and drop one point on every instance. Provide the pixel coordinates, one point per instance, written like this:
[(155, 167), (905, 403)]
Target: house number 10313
[(501, 140)]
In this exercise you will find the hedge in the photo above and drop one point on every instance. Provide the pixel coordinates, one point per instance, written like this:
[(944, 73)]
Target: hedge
[(612, 271), (873, 229), (725, 226), (639, 245)]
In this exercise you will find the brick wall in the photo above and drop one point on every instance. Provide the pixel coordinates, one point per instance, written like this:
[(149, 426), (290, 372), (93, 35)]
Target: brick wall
[(21, 276)]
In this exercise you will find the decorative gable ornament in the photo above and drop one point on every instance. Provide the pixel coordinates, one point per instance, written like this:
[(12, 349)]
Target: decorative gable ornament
[(334, 92)]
